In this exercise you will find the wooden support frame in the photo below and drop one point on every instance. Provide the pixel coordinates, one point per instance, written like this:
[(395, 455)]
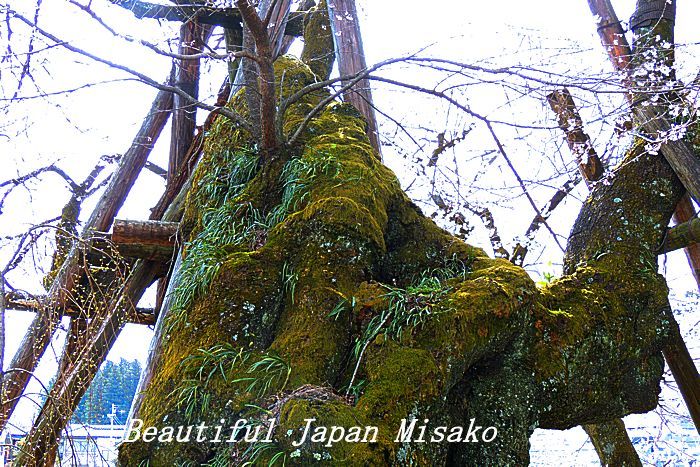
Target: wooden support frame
[(45, 322)]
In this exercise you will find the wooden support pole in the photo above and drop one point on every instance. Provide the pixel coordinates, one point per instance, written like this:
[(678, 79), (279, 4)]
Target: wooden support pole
[(108, 326), (71, 385), (685, 212), (44, 324), (678, 153), (350, 56), (612, 444), (612, 36), (684, 371), (570, 122), (184, 120)]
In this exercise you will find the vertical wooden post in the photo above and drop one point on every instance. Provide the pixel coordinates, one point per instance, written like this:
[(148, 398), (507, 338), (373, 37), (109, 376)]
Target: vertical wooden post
[(186, 78), (350, 55)]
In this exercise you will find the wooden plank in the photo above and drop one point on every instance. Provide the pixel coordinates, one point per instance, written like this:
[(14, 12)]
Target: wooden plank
[(130, 232), (228, 18), (684, 371)]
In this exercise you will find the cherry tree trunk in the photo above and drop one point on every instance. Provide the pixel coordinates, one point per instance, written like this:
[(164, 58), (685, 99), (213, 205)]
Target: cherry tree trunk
[(313, 292)]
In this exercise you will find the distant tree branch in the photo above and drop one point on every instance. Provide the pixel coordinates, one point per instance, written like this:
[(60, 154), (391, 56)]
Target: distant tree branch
[(580, 144)]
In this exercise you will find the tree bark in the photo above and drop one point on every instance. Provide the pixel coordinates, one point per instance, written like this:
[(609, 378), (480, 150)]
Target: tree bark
[(620, 53), (265, 76), (492, 347), (156, 349)]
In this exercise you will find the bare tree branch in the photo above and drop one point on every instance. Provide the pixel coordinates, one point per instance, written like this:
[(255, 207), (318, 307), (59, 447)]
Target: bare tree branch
[(234, 116)]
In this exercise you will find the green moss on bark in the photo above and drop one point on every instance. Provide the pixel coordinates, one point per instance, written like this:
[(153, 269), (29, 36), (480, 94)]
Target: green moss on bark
[(337, 231)]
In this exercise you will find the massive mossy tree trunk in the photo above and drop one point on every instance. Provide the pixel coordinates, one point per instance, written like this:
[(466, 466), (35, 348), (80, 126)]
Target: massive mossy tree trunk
[(313, 288)]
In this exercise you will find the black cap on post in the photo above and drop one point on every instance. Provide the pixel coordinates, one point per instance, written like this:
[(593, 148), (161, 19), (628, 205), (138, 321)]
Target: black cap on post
[(650, 12)]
